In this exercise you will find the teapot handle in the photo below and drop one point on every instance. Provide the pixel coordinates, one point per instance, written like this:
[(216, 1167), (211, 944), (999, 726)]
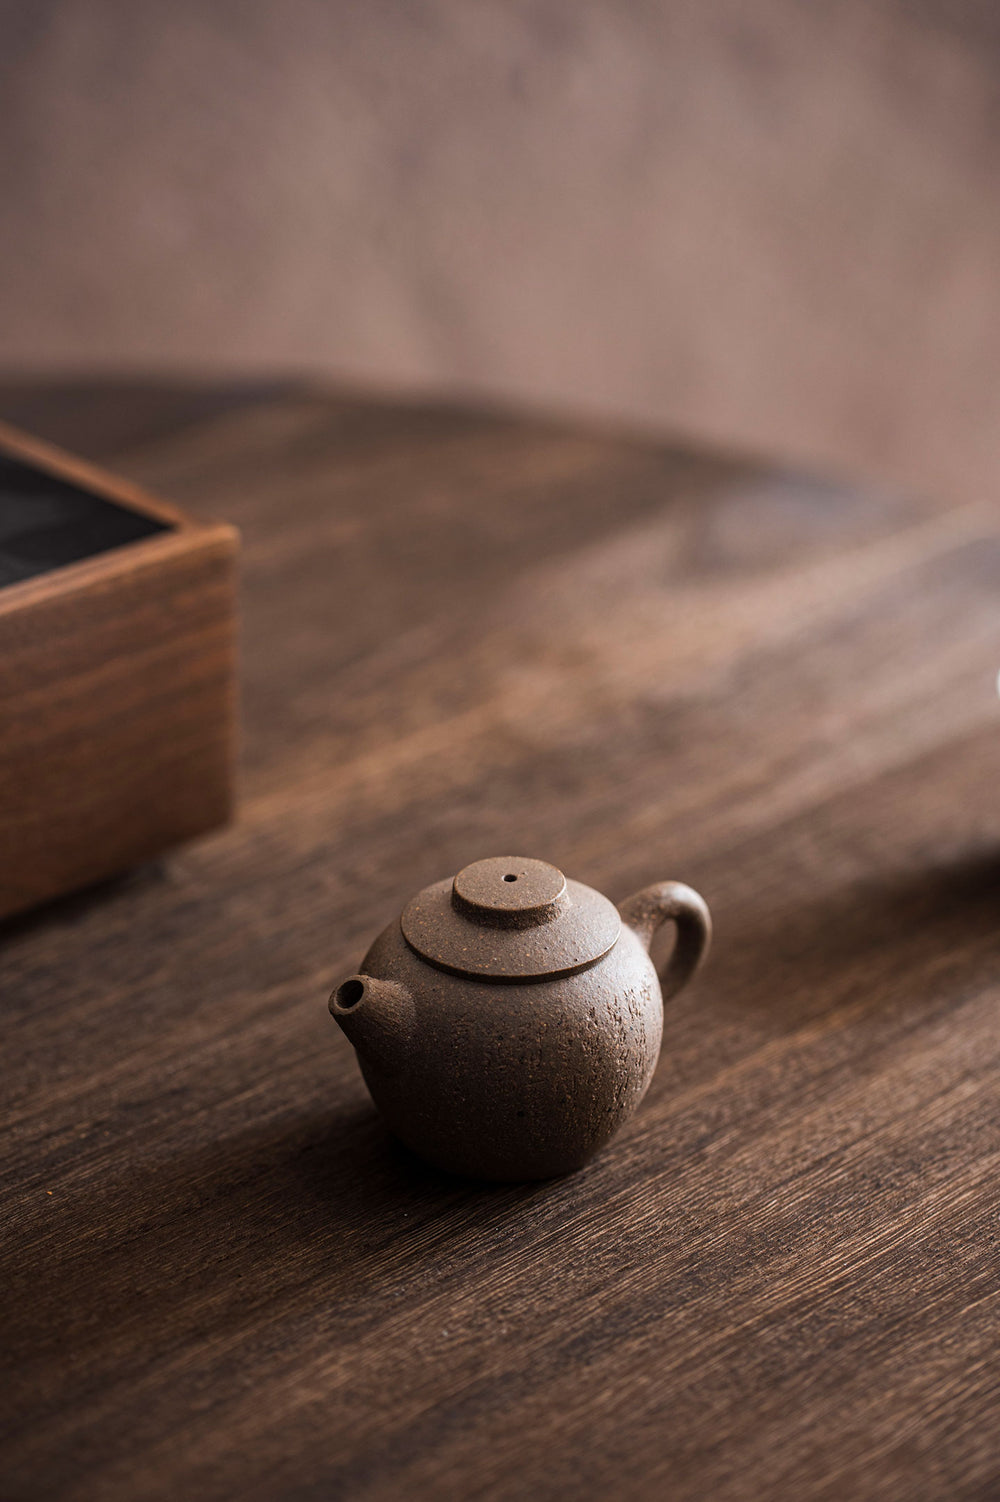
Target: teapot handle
[(672, 901)]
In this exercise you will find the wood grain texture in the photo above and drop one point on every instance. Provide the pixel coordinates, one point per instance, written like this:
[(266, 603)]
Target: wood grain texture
[(117, 696), (466, 635)]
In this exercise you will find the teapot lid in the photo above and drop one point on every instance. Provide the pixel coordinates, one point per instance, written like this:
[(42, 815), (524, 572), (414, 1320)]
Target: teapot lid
[(509, 919)]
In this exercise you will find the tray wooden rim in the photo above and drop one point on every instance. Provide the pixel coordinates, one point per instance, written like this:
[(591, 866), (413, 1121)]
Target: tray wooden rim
[(128, 556)]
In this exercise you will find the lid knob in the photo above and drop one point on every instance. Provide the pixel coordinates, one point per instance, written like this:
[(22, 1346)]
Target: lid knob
[(510, 892)]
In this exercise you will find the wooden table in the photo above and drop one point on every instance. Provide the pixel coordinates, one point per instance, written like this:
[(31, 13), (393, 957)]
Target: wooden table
[(469, 635)]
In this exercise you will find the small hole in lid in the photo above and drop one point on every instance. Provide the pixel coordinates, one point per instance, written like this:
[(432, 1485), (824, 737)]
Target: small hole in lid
[(510, 878)]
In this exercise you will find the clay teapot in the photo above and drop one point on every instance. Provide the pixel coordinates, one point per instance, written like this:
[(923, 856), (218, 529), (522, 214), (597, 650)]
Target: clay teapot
[(509, 1021)]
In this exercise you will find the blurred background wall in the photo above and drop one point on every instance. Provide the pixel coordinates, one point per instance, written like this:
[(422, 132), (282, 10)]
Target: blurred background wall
[(769, 223)]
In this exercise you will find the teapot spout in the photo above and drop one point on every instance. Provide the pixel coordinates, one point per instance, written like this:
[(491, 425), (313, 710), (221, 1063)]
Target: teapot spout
[(377, 1016)]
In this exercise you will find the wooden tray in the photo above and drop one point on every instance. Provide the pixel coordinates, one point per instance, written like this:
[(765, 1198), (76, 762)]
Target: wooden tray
[(117, 704)]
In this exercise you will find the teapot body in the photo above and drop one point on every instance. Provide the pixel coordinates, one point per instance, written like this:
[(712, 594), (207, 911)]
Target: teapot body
[(515, 1081), (509, 1021)]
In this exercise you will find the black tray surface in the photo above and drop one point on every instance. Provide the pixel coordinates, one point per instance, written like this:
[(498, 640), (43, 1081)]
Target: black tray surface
[(47, 522)]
